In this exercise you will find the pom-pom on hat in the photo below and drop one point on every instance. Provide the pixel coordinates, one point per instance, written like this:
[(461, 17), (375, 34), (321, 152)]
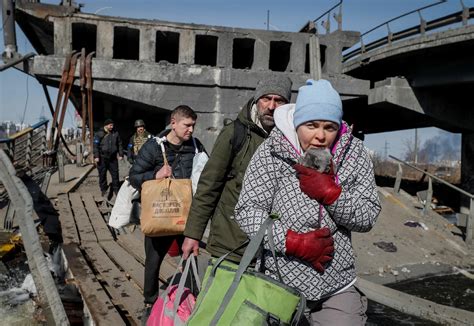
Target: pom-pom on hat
[(317, 100)]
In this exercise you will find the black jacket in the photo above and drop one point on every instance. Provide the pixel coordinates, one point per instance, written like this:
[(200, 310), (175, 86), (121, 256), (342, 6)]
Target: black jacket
[(107, 145), (150, 159)]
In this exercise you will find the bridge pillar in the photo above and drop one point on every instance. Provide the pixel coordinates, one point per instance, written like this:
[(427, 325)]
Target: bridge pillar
[(147, 44), (62, 36), (187, 44), (105, 40), (467, 169)]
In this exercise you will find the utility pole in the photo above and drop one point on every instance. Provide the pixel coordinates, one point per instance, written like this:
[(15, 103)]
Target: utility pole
[(416, 146), (386, 150), (268, 20)]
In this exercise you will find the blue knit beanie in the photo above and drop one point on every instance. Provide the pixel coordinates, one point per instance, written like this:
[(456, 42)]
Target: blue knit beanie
[(317, 100)]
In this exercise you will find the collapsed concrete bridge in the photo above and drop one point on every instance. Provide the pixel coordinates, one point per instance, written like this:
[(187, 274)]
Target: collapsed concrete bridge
[(418, 77)]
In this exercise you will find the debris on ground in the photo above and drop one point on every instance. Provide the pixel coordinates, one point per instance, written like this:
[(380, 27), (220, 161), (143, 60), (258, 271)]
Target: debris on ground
[(414, 224), (386, 246)]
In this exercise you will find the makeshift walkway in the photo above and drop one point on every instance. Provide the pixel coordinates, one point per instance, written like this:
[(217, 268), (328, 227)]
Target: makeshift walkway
[(107, 269)]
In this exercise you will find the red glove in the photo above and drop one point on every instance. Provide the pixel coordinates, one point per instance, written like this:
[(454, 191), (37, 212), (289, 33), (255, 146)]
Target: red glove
[(315, 247), (317, 185)]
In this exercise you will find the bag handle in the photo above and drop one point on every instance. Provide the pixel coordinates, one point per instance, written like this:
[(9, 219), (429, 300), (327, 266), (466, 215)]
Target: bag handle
[(247, 258), (179, 291), (160, 141)]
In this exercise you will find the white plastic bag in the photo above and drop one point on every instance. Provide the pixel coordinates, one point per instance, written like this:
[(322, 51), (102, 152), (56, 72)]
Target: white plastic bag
[(199, 161), (120, 215)]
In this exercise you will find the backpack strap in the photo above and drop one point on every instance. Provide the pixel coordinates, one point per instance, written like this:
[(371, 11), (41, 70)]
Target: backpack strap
[(241, 132)]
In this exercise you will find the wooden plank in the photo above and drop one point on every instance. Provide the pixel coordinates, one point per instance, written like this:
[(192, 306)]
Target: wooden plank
[(124, 293), (86, 232), (66, 218), (415, 306), (102, 310), (135, 246), (126, 261), (101, 229), (73, 185)]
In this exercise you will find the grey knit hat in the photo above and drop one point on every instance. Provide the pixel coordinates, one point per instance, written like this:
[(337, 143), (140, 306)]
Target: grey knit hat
[(274, 84)]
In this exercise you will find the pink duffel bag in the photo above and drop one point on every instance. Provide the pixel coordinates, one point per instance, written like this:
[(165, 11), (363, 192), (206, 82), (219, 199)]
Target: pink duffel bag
[(174, 306)]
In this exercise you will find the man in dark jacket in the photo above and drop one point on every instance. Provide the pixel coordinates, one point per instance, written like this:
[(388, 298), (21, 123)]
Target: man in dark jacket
[(137, 140), (107, 151), (221, 180), (148, 165)]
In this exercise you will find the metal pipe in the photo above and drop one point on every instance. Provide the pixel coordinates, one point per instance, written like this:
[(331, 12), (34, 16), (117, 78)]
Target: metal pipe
[(16, 61), (328, 11), (23, 203), (9, 35), (405, 14)]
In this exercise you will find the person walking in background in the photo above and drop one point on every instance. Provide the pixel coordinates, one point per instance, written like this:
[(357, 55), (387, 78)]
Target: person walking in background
[(136, 142), (148, 165), (317, 211), (107, 152), (220, 182)]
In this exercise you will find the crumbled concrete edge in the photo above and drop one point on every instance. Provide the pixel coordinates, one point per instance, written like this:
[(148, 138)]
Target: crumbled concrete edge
[(391, 275)]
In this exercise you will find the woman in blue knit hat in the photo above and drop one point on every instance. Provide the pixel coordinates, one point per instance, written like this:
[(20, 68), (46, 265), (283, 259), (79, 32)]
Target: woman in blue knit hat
[(317, 210)]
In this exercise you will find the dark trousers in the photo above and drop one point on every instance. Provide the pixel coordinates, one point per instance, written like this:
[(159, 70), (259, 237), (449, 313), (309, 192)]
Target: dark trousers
[(110, 164), (155, 250)]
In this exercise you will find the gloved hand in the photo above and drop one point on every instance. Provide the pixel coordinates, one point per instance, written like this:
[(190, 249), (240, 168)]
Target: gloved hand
[(315, 247), (317, 185)]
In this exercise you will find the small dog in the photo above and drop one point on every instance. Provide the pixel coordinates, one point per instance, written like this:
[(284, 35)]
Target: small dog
[(319, 159)]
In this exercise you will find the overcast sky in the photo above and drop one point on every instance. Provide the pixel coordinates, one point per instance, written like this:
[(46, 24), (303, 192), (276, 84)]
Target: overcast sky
[(22, 97)]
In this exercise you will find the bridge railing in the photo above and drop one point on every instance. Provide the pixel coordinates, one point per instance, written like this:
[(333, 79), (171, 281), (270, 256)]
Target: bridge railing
[(25, 150), (312, 26), (23, 203), (463, 16), (429, 194), (26, 147)]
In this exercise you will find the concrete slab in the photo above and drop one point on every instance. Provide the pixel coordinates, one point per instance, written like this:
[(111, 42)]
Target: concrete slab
[(419, 251)]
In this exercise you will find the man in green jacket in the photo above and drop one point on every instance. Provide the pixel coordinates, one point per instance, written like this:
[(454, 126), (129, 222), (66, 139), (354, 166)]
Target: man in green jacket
[(221, 180)]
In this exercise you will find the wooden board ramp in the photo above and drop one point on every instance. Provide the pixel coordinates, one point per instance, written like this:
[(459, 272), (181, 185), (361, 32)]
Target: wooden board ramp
[(107, 269)]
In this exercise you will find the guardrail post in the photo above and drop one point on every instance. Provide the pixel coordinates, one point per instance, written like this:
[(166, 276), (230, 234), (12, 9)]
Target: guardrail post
[(429, 196), (389, 34), (465, 14), (60, 158), (469, 223), (422, 24), (79, 147), (398, 180)]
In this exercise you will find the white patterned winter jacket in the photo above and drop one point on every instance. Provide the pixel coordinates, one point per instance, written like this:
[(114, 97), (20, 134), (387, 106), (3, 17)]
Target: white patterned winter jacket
[(271, 186)]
